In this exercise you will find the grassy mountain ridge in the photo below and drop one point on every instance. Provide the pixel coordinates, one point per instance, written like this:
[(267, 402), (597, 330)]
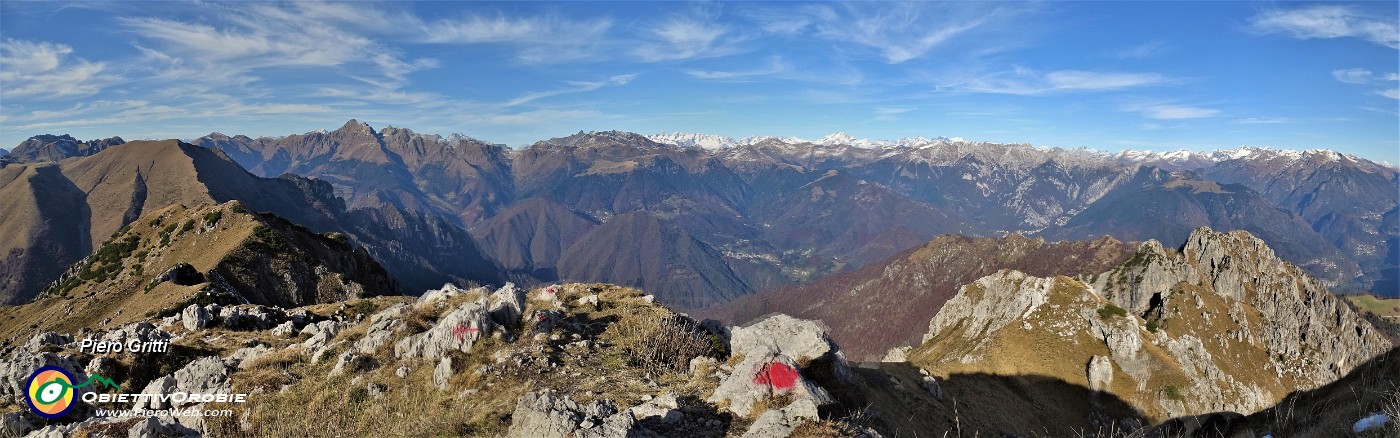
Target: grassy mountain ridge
[(92, 197), (179, 254)]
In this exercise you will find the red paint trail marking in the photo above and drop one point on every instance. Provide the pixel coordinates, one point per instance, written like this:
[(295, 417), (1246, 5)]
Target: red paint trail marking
[(463, 330), (777, 375)]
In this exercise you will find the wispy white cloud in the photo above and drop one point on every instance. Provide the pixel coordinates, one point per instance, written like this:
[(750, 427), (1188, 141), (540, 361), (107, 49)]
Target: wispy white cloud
[(1141, 51), (1168, 111), (1264, 121), (574, 87), (545, 39), (687, 37), (1089, 80), (251, 42), (897, 32), (1026, 82), (247, 42), (46, 70), (124, 113), (1352, 75), (1361, 76), (892, 110), (890, 113), (536, 117), (775, 66), (383, 96), (1329, 21)]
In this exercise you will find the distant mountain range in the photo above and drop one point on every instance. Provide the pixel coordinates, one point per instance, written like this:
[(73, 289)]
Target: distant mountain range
[(984, 278), (57, 147), (766, 212), (58, 213)]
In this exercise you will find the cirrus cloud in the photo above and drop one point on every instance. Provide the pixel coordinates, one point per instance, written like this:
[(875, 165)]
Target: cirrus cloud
[(1329, 21), (1026, 82), (47, 70), (1170, 111)]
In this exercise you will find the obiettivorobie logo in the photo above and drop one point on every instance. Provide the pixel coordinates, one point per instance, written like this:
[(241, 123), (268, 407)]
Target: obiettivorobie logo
[(52, 394), (50, 391)]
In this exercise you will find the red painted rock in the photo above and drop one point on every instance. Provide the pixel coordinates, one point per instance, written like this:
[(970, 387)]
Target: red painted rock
[(776, 375)]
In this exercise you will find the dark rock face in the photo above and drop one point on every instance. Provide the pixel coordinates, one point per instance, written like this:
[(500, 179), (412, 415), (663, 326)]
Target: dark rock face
[(48, 147), (182, 274)]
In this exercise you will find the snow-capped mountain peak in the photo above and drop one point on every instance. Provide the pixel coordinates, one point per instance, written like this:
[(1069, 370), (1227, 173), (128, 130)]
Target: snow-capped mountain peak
[(709, 141), (837, 138), (705, 141)]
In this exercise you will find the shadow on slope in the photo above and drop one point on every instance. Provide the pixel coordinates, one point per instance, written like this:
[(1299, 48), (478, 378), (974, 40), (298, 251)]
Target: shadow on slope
[(898, 402), (1330, 410)]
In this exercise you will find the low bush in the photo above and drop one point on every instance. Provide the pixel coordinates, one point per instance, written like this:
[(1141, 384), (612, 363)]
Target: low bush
[(660, 343), (1110, 311)]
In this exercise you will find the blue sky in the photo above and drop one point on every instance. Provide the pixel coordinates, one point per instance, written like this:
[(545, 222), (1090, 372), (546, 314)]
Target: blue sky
[(1106, 75)]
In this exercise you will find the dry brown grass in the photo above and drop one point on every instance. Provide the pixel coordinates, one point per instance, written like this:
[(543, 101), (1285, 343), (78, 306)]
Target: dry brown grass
[(659, 343), (823, 429), (126, 298), (482, 392)]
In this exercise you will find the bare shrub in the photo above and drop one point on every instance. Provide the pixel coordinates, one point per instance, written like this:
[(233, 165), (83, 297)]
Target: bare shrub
[(660, 343)]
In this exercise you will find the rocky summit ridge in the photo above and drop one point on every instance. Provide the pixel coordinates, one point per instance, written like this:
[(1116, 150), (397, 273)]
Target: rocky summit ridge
[(581, 360), (209, 253), (1220, 325), (1072, 355)]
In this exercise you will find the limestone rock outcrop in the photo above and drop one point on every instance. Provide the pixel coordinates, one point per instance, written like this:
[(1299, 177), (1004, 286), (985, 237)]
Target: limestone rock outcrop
[(772, 352), (1221, 325), (545, 415)]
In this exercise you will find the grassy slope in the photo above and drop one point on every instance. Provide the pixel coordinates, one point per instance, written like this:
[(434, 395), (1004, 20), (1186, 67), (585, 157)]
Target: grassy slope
[(482, 392), (1042, 352), (1389, 308)]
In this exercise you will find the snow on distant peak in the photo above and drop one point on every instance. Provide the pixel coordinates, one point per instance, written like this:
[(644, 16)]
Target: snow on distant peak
[(704, 141), (1186, 159), (708, 141), (1178, 159), (839, 137)]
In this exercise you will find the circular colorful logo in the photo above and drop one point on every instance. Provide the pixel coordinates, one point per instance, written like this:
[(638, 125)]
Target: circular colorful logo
[(50, 392)]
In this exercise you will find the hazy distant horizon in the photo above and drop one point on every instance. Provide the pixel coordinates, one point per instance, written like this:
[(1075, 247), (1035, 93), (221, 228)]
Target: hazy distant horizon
[(1106, 76)]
